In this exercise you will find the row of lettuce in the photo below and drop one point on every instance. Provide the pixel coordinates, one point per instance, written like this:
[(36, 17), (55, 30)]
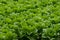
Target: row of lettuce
[(29, 20)]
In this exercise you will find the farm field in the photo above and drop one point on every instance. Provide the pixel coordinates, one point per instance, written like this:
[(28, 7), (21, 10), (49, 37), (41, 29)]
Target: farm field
[(29, 19)]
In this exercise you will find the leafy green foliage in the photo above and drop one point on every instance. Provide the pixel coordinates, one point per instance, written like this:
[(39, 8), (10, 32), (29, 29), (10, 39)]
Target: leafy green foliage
[(29, 19)]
